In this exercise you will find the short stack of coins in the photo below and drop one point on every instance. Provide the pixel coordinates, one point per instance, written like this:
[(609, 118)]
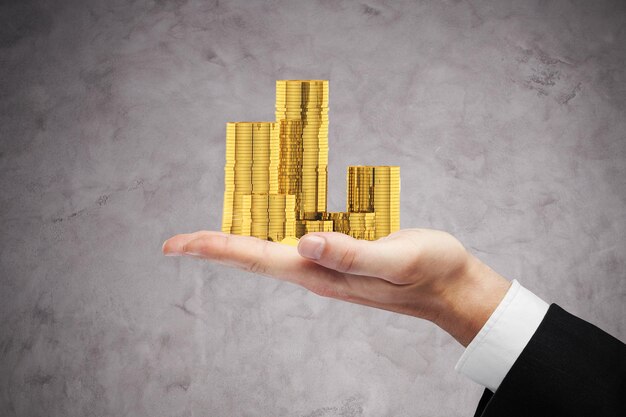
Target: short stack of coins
[(387, 199), (259, 210), (306, 225), (251, 153), (376, 189), (302, 114), (242, 222), (272, 216), (357, 225), (282, 216), (311, 226), (362, 225), (341, 221), (360, 202), (360, 189)]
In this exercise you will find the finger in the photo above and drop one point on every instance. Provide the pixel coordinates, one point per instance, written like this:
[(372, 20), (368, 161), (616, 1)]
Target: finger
[(386, 258), (174, 245), (283, 262), (245, 252), (262, 257)]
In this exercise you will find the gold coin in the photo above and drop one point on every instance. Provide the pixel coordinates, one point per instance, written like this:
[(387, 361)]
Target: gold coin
[(315, 95), (312, 94), (300, 84), (291, 100), (318, 99)]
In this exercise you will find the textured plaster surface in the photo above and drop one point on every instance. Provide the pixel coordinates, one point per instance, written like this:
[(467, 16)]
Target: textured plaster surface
[(508, 119)]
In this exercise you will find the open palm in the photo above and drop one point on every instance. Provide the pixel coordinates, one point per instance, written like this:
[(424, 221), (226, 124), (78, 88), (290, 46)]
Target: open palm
[(419, 272)]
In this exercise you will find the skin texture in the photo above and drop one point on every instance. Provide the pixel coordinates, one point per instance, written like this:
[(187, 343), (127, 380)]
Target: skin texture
[(419, 272)]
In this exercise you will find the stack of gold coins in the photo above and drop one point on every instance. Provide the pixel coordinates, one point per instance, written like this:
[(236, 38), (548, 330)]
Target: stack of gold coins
[(357, 225), (302, 114), (362, 225), (268, 216), (370, 226), (290, 161), (377, 189), (242, 224), (300, 227), (360, 187), (252, 154), (387, 199), (360, 202), (341, 221), (308, 224), (260, 216), (282, 218), (317, 226), (276, 175)]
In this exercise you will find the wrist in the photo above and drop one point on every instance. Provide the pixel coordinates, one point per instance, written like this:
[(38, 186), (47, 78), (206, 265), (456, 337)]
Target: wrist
[(467, 302)]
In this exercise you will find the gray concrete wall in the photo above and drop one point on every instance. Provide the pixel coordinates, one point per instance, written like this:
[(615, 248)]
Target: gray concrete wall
[(508, 119)]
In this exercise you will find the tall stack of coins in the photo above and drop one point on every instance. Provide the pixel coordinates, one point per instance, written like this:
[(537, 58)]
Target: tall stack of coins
[(302, 114), (251, 150), (290, 161)]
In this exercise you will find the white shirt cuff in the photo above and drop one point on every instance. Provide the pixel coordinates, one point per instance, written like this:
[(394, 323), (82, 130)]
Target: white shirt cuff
[(488, 358)]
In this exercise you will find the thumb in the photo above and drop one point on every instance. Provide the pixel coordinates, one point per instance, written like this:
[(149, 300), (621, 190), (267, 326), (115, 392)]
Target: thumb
[(380, 258)]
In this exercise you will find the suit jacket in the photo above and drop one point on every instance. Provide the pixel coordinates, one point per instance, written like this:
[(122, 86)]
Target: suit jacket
[(569, 368)]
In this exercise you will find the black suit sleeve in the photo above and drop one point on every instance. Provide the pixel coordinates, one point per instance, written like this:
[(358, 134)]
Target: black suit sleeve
[(568, 368)]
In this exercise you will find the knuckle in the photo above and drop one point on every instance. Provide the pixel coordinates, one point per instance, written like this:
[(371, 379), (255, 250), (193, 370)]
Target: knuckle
[(346, 263), (224, 249), (259, 263), (194, 247)]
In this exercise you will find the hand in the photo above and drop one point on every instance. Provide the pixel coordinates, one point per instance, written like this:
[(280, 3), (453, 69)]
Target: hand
[(418, 272)]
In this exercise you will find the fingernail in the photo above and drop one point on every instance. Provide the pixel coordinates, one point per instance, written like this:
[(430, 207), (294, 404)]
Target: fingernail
[(169, 253), (311, 247)]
